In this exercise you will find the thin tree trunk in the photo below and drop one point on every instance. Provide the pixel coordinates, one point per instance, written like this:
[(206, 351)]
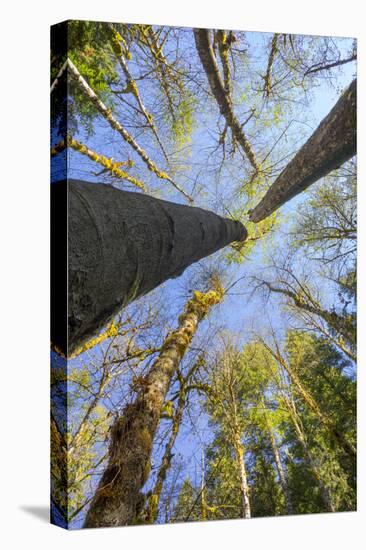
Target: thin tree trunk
[(268, 76), (121, 245), (209, 63), (152, 508), (333, 320), (279, 465), (337, 341), (244, 487), (154, 498), (106, 113), (324, 491), (118, 499), (236, 441), (332, 144), (202, 493), (328, 66), (131, 84), (327, 422)]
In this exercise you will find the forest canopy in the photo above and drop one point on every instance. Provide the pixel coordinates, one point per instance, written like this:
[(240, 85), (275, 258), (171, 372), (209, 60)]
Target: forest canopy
[(229, 390)]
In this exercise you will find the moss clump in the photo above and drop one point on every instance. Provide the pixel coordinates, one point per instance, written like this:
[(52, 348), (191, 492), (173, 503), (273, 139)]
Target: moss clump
[(107, 163), (167, 410), (110, 332), (144, 440)]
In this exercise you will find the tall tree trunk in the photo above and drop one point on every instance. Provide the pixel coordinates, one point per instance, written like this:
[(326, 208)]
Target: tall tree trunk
[(203, 487), (118, 499), (209, 63), (332, 144), (121, 245), (244, 487)]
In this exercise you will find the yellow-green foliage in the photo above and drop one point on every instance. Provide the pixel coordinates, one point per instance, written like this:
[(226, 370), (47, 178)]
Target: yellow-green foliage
[(119, 45), (74, 453), (203, 301), (183, 123), (89, 48)]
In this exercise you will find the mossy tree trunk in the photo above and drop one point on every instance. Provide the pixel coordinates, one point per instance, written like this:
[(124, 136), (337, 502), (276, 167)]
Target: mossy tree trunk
[(152, 509), (118, 499), (121, 245), (332, 144)]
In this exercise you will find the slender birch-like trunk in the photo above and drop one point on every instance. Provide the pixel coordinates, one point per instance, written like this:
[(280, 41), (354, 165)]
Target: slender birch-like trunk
[(203, 487), (244, 487), (332, 144), (118, 499), (281, 472), (306, 302)]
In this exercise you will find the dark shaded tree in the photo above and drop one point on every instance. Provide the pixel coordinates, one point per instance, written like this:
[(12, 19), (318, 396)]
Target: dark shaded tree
[(332, 144), (122, 245)]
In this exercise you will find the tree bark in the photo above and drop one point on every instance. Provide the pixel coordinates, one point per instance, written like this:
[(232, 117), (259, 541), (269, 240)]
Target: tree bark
[(268, 76), (332, 144), (118, 499), (209, 63), (121, 245)]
